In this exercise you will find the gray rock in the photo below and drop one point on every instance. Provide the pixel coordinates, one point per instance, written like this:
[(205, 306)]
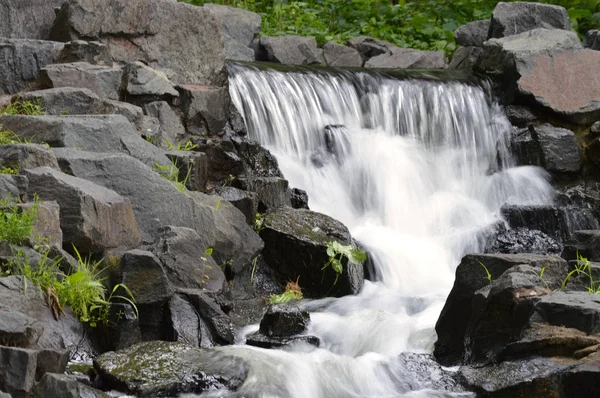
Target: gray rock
[(408, 58), (592, 40), (141, 80), (225, 229), (338, 55), (218, 325), (585, 243), (453, 322), (205, 109), (159, 368), (143, 273), (93, 133), (151, 130), (465, 58), (185, 322), (244, 201), (132, 112), (258, 161), (170, 123), (306, 234), (284, 323), (27, 19), (520, 115), (177, 38), (559, 148), (369, 47), (192, 168), (578, 310), (93, 218), (518, 17), (238, 28), (595, 129), (46, 225), (472, 34), (57, 385), (92, 52), (289, 50), (21, 61), (51, 361), (273, 192), (27, 156), (223, 160), (299, 198), (19, 330), (14, 186), (17, 370), (263, 341), (104, 81)]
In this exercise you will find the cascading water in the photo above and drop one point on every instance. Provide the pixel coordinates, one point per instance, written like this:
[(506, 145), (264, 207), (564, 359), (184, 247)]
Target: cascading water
[(418, 170)]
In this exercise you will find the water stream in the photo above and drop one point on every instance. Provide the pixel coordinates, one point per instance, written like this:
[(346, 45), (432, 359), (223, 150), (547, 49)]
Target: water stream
[(417, 169)]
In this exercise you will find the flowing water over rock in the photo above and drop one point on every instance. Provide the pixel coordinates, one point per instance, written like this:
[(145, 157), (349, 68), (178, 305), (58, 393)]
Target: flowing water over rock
[(418, 170)]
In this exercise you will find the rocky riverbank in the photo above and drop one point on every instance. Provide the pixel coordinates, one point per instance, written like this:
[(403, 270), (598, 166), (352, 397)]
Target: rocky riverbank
[(140, 160)]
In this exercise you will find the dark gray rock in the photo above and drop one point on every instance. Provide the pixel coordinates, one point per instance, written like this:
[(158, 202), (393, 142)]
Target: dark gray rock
[(27, 156), (216, 326), (471, 276), (284, 323), (294, 235), (223, 160), (260, 340), (244, 201), (93, 218), (57, 385), (19, 330), (17, 370), (180, 39), (581, 380), (578, 310), (139, 80), (184, 321), (408, 58), (205, 109), (338, 55), (273, 192), (299, 199), (133, 113), (170, 123), (585, 243), (369, 47), (159, 368), (559, 148), (193, 168), (124, 325), (289, 50), (238, 28), (465, 58), (472, 34), (27, 19), (258, 161), (92, 52), (522, 240), (225, 230), (21, 61), (592, 40), (143, 273), (151, 130), (518, 17), (519, 115), (113, 133), (104, 81), (46, 225), (14, 186)]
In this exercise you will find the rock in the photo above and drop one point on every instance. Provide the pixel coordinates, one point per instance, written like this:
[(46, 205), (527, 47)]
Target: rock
[(14, 186), (217, 324), (289, 50), (514, 18), (104, 81), (19, 330), (179, 39), (465, 58), (577, 310), (369, 47), (338, 55), (595, 129), (63, 100), (581, 379), (306, 234), (17, 370), (522, 240), (27, 156), (186, 261), (192, 166), (134, 114), (205, 109), (408, 58), (299, 199), (170, 123), (151, 130), (260, 340), (159, 368), (27, 19), (111, 133), (92, 52), (225, 229), (57, 385), (273, 192), (21, 61), (123, 329), (143, 273), (592, 40), (223, 160), (557, 149), (142, 81), (46, 226), (244, 201), (258, 161), (185, 322), (93, 218), (284, 323), (585, 243), (519, 115), (238, 28), (472, 34), (453, 322)]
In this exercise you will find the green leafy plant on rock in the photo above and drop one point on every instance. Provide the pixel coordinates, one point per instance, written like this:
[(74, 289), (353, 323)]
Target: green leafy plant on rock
[(172, 173), (189, 146), (336, 252), (8, 137), (16, 223), (583, 268), (292, 292), (487, 272), (20, 106)]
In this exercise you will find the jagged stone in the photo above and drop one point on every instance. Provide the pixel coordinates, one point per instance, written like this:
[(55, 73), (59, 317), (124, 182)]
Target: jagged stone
[(578, 310), (19, 330), (193, 167), (284, 323), (592, 39), (170, 123), (140, 80), (17, 370), (27, 19), (238, 28), (244, 201), (408, 58), (13, 186), (46, 226), (518, 17), (585, 243), (273, 192), (92, 52), (184, 321), (27, 156), (369, 47), (289, 50), (104, 81), (205, 109), (473, 33), (299, 198), (465, 58), (338, 55)]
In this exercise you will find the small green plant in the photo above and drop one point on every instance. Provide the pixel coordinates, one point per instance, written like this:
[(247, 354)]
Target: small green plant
[(189, 146), (64, 112), (16, 223), (19, 106), (206, 267), (9, 170), (8, 137), (259, 222), (583, 268), (292, 293), (487, 273), (542, 272), (172, 173), (336, 252)]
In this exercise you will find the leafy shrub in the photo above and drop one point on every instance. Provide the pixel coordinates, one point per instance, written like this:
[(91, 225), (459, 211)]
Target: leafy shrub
[(20, 106), (16, 223), (583, 268), (8, 137)]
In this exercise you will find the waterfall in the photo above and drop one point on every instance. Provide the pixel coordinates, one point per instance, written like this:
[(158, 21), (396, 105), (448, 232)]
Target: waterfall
[(418, 170)]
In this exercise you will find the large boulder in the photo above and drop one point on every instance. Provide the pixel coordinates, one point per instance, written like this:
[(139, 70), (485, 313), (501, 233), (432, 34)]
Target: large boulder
[(559, 149), (518, 17), (112, 133), (27, 156), (408, 58), (92, 52), (585, 243), (141, 81), (289, 50), (465, 58), (205, 109), (156, 202), (238, 28), (104, 81), (180, 39), (296, 248), (170, 124), (338, 55), (93, 218), (472, 34), (27, 19), (21, 61), (578, 310)]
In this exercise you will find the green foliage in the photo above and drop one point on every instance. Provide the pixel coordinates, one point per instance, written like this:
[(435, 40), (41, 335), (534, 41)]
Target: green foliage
[(172, 173), (9, 170), (259, 222), (16, 223), (336, 252), (8, 137), (488, 275), (20, 106), (583, 268), (425, 25), (292, 293), (189, 146)]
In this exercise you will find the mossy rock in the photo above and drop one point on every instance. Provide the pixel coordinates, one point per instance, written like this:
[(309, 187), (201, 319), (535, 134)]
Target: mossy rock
[(160, 369)]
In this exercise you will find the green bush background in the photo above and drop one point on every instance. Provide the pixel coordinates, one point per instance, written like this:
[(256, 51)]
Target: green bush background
[(422, 24)]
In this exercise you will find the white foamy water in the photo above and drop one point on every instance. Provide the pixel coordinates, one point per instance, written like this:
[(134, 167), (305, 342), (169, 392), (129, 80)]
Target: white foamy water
[(417, 170)]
